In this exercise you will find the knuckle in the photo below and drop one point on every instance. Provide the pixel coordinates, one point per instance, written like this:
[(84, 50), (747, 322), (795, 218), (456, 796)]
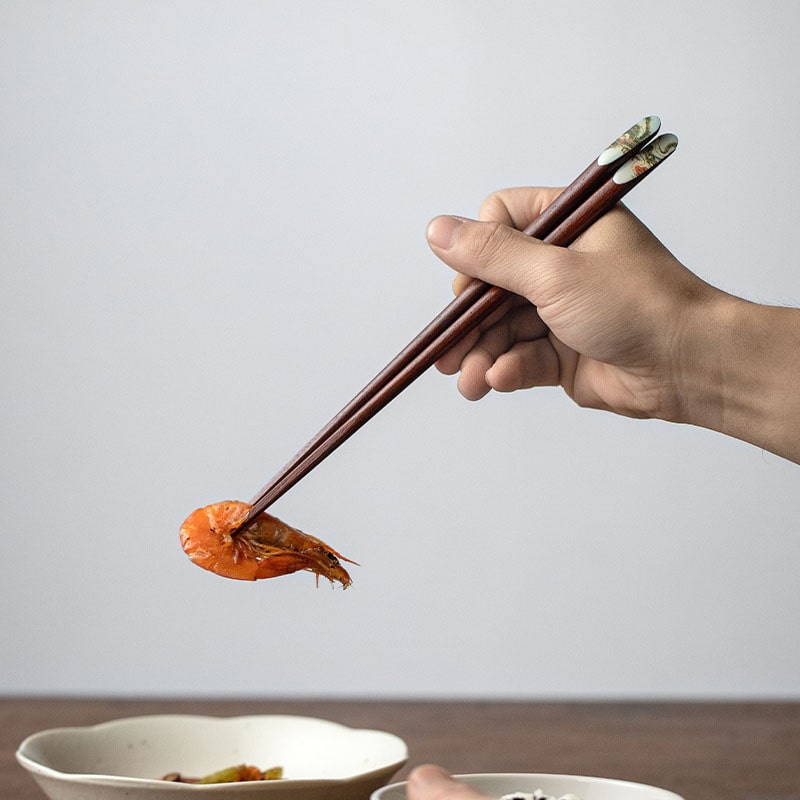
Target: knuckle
[(492, 208), (488, 241)]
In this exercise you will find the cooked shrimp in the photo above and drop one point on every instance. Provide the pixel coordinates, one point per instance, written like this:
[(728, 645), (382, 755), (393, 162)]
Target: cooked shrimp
[(265, 549)]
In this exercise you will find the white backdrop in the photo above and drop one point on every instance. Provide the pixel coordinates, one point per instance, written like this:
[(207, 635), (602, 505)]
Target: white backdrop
[(212, 222)]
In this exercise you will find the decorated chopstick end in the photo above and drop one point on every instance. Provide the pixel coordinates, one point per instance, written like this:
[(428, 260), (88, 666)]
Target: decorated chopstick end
[(631, 139), (650, 157)]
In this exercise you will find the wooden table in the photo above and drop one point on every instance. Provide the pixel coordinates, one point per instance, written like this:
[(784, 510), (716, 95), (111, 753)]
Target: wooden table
[(703, 751)]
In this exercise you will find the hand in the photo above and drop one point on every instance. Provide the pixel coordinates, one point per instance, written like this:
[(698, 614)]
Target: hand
[(621, 325), (599, 319), (433, 783)]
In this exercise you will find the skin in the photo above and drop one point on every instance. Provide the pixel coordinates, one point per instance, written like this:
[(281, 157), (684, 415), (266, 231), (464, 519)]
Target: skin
[(621, 325), (429, 782)]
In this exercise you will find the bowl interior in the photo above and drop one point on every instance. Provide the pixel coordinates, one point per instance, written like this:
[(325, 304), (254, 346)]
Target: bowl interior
[(586, 788), (149, 747)]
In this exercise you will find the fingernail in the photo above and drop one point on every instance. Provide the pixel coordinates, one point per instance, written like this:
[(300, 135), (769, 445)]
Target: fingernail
[(442, 231)]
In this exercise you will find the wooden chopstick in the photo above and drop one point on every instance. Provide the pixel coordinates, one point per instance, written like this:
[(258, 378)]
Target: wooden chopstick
[(588, 197), (624, 146)]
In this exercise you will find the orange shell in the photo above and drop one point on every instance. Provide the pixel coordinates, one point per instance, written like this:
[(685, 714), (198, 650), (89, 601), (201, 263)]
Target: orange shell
[(265, 549)]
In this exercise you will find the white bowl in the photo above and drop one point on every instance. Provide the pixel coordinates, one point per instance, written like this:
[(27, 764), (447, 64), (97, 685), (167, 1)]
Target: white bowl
[(126, 758), (505, 783)]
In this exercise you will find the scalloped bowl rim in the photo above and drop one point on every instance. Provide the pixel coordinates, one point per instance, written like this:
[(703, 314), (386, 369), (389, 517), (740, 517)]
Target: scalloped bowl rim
[(37, 764)]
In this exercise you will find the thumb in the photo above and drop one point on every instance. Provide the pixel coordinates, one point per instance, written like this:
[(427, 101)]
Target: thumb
[(433, 783), (490, 251)]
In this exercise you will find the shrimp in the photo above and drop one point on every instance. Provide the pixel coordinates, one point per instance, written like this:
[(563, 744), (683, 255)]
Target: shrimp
[(265, 549)]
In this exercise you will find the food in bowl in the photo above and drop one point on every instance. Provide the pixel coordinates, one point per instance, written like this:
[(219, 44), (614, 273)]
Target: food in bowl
[(538, 795), (241, 772)]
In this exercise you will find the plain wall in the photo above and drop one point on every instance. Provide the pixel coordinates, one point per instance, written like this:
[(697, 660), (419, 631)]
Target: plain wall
[(212, 222)]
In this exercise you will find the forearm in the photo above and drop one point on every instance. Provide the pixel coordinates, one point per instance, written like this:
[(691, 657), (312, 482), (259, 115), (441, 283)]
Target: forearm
[(740, 374)]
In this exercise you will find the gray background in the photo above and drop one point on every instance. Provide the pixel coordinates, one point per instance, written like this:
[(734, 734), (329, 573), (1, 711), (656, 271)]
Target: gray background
[(212, 224)]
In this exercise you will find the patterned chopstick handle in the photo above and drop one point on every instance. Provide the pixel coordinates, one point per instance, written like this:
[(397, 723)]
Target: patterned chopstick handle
[(650, 157), (632, 138)]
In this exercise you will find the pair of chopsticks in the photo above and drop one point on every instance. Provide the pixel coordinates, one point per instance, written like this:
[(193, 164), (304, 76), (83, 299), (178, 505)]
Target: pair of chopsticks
[(595, 191)]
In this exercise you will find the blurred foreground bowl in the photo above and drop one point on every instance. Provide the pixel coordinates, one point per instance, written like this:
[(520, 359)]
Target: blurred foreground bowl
[(126, 758), (502, 784)]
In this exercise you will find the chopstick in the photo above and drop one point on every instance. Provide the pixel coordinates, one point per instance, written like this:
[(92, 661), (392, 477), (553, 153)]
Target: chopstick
[(626, 161)]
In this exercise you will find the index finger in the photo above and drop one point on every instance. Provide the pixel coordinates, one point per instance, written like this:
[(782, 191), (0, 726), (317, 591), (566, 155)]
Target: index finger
[(517, 207), (429, 782)]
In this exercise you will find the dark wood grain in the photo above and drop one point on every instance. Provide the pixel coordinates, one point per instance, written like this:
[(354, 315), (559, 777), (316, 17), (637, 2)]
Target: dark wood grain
[(593, 193), (703, 751), (456, 318)]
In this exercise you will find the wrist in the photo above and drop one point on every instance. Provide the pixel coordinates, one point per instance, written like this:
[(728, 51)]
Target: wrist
[(739, 372)]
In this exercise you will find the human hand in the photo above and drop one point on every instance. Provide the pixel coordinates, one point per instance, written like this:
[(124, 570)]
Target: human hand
[(621, 325), (601, 319), (429, 782)]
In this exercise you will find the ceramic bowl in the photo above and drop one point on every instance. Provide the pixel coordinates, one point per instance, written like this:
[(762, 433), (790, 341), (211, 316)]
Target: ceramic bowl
[(502, 784), (126, 758)]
